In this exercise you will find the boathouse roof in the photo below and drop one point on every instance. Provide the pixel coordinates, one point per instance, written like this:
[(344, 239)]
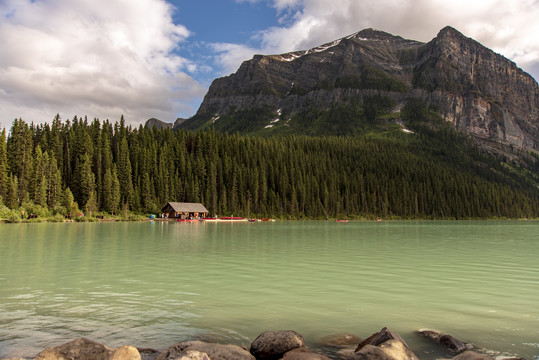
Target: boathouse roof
[(186, 207)]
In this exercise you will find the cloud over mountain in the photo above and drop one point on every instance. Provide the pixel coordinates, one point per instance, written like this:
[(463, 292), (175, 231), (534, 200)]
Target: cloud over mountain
[(506, 26), (104, 58)]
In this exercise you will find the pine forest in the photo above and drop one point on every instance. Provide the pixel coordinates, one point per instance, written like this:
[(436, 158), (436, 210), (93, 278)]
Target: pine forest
[(101, 168)]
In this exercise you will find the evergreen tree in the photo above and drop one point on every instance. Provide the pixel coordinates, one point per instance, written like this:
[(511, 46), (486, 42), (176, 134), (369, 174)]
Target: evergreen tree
[(91, 205), (107, 191), (3, 165), (148, 199), (69, 204), (20, 151), (39, 180), (124, 172), (54, 190), (11, 200), (87, 181), (115, 192)]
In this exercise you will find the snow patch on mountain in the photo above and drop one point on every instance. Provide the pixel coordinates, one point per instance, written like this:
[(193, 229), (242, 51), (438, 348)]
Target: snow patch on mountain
[(297, 54)]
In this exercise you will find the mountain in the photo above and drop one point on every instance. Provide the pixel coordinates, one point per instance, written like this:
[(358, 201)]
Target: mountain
[(153, 122), (160, 124), (366, 80)]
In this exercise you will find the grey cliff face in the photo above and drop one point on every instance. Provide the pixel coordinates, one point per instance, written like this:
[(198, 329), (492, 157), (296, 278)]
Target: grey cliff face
[(293, 80), (479, 91), (153, 122)]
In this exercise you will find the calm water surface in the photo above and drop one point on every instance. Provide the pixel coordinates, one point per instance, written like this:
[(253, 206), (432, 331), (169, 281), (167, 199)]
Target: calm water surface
[(154, 284)]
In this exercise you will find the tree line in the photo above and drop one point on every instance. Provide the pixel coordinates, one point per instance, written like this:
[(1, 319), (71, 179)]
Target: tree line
[(102, 167)]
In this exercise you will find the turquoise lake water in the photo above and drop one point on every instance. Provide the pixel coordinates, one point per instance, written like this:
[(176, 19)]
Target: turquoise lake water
[(151, 284)]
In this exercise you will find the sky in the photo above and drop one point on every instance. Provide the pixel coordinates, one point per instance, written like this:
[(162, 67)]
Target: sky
[(157, 58)]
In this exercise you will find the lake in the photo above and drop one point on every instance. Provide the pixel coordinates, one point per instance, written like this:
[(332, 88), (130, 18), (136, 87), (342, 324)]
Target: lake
[(151, 284)]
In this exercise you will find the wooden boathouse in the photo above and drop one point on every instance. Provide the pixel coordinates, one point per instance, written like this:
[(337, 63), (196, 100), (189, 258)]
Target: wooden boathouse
[(178, 210)]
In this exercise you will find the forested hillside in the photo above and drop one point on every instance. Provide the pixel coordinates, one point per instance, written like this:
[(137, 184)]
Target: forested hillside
[(104, 167)]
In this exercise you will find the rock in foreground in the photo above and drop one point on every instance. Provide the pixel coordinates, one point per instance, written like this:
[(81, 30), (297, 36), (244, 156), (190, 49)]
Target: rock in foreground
[(272, 345), (381, 337), (449, 342), (389, 350), (303, 354), (86, 349), (196, 350)]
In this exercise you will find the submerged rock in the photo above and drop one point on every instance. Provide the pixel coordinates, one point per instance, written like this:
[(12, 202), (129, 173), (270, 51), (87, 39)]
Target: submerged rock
[(338, 340), (272, 345), (472, 355), (148, 353), (449, 342), (86, 349), (303, 353), (214, 351), (381, 337), (454, 344), (78, 349), (389, 350)]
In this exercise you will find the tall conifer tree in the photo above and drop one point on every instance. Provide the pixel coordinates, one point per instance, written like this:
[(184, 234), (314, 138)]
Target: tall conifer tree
[(3, 165)]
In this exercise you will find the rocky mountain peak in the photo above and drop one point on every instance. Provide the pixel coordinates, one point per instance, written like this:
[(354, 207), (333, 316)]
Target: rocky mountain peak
[(478, 91), (373, 34), (451, 32)]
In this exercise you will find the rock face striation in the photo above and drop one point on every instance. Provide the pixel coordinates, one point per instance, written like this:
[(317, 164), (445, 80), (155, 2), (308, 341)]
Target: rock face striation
[(480, 92)]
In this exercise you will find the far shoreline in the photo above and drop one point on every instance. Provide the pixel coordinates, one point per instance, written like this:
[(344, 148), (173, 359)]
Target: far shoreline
[(146, 218)]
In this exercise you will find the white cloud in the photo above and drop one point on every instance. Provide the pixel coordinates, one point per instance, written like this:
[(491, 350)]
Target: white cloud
[(104, 58), (230, 56), (509, 27), (100, 58)]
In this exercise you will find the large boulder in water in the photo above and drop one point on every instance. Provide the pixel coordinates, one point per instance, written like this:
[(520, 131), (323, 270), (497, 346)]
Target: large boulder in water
[(381, 337), (389, 350), (272, 345), (193, 355), (126, 353), (78, 349), (86, 349), (214, 351), (449, 342)]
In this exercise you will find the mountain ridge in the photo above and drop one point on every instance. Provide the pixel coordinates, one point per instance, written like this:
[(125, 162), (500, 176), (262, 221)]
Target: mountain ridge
[(480, 92)]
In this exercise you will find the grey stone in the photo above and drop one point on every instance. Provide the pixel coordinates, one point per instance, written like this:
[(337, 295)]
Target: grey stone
[(449, 342), (338, 340), (303, 353), (381, 337), (125, 353), (193, 355), (471, 355), (78, 349), (214, 351), (389, 350), (272, 345)]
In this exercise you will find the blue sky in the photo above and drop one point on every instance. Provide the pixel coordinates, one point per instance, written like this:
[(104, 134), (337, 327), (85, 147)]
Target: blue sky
[(157, 58), (224, 20)]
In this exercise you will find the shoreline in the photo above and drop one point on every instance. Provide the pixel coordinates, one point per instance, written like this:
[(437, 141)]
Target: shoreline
[(143, 218), (284, 344)]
